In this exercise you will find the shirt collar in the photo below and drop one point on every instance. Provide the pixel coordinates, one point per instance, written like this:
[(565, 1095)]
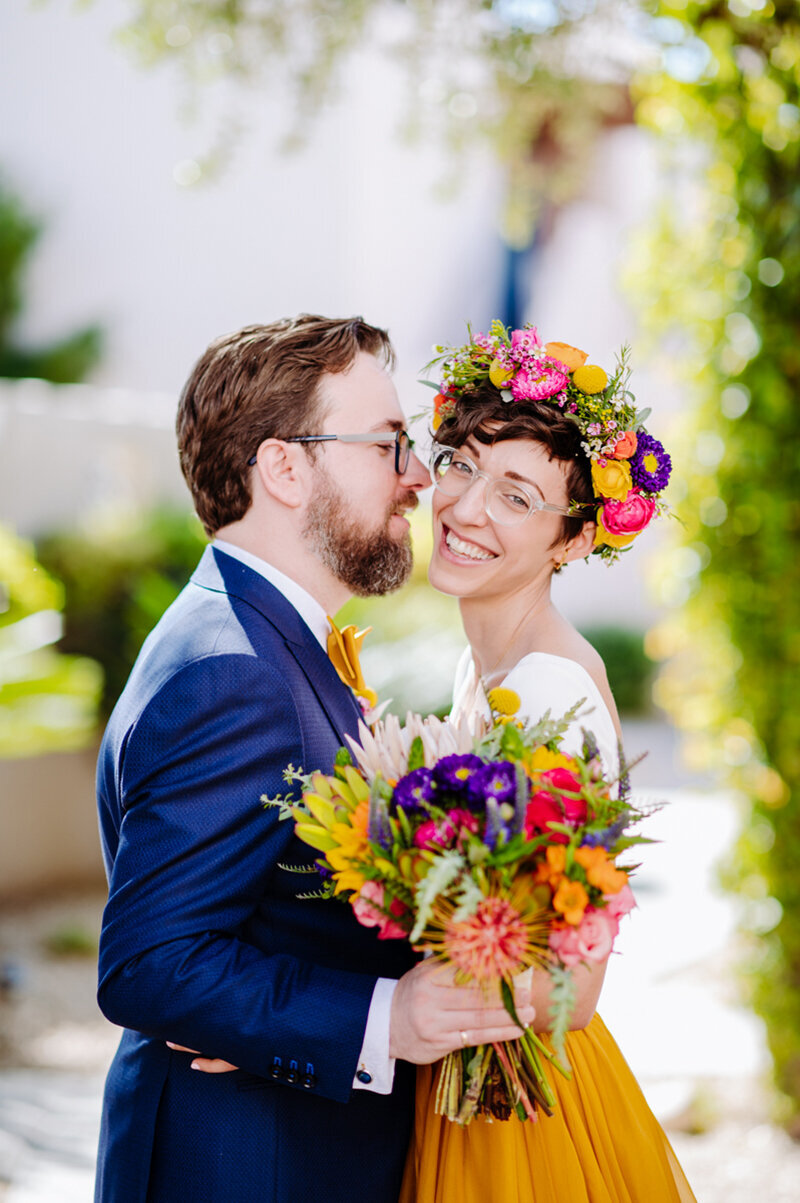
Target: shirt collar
[(306, 606)]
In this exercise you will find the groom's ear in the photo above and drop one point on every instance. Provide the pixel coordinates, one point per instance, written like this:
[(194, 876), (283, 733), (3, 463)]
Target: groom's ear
[(283, 471)]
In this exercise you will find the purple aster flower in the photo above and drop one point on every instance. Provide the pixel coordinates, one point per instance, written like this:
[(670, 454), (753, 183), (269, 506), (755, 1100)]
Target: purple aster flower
[(454, 773), (651, 466), (498, 781), (414, 790)]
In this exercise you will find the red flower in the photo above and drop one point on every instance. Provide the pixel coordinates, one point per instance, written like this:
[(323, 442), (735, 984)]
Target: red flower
[(545, 807)]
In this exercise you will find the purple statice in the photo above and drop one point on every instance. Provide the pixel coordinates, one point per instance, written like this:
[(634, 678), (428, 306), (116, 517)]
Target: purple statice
[(651, 466), (497, 829), (379, 829), (498, 781), (415, 790), (606, 838), (454, 773)]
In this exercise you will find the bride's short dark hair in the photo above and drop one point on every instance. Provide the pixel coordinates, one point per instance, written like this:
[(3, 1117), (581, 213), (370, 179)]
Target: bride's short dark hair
[(481, 414)]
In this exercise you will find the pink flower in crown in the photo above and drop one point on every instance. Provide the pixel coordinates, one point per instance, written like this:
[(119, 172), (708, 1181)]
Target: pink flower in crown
[(627, 517), (368, 909), (525, 343), (538, 380), (591, 940)]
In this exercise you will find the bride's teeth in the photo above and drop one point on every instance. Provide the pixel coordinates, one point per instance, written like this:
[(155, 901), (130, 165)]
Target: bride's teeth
[(466, 549)]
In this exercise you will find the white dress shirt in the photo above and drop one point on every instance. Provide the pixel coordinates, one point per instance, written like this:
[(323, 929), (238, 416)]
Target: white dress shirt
[(374, 1064)]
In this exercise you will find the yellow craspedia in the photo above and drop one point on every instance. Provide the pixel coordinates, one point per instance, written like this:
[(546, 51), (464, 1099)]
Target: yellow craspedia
[(504, 701), (611, 478), (500, 375), (590, 378)]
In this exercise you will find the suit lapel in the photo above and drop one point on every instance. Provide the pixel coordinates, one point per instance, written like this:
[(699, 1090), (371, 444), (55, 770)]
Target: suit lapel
[(225, 574)]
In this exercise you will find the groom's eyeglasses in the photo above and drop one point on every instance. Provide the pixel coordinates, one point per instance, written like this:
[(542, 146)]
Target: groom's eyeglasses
[(403, 444)]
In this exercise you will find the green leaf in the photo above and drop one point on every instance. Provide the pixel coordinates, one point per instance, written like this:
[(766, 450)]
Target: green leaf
[(416, 755)]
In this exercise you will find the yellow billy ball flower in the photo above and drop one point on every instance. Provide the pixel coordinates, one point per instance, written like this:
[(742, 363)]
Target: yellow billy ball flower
[(504, 701), (500, 375), (590, 378), (611, 478)]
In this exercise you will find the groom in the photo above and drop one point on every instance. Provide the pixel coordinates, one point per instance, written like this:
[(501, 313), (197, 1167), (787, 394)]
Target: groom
[(292, 442)]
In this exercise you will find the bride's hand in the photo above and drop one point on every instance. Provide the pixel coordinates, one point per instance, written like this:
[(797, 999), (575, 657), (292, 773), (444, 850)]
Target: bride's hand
[(207, 1065)]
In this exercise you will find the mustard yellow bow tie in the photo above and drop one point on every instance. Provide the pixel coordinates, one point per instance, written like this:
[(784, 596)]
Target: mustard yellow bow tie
[(343, 648)]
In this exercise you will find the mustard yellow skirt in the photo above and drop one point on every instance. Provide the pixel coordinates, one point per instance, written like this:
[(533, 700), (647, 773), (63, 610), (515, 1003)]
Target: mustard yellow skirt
[(602, 1145)]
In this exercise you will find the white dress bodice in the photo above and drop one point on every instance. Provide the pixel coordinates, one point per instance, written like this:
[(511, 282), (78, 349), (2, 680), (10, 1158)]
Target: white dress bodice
[(545, 682)]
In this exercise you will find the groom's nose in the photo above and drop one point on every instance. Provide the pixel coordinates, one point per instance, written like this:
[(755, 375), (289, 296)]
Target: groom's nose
[(416, 475)]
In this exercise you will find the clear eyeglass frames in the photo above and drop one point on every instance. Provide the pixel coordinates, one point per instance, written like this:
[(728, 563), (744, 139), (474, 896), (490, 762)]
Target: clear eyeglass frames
[(507, 502)]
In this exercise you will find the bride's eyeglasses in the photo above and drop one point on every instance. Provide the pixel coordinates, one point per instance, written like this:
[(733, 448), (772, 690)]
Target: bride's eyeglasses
[(506, 501)]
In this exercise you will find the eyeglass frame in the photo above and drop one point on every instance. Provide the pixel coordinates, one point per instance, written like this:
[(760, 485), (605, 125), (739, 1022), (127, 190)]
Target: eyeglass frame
[(536, 504), (389, 436)]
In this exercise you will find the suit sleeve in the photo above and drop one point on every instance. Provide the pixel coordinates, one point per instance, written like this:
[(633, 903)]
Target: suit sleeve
[(195, 856)]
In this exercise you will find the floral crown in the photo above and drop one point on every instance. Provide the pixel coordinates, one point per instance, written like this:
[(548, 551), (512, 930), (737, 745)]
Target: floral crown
[(630, 468)]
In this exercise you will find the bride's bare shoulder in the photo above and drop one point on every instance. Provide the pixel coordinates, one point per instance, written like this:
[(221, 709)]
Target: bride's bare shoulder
[(570, 644)]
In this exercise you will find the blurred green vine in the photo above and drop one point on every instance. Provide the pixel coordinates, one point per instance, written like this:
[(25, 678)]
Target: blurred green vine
[(64, 362), (48, 702), (722, 277)]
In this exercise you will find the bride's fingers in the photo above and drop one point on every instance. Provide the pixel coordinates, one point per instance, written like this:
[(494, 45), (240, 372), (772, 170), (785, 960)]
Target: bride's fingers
[(181, 1048), (212, 1065)]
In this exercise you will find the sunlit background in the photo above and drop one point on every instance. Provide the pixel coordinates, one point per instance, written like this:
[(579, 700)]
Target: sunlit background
[(614, 172)]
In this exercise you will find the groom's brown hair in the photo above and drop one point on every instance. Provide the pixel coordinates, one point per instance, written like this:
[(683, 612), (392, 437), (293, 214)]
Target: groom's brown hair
[(260, 383)]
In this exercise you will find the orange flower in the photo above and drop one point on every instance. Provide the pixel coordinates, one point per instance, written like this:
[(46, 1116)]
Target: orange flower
[(600, 871), (491, 944), (626, 445), (551, 871), (571, 900), (571, 357)]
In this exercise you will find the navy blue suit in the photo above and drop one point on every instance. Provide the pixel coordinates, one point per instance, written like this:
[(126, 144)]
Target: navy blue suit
[(205, 941)]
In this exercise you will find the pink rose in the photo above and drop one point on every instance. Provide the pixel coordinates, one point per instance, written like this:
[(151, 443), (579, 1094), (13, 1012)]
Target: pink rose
[(439, 835), (621, 903), (368, 907), (539, 381), (627, 517), (591, 940)]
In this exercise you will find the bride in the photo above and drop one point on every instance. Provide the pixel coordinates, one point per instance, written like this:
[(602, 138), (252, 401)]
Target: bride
[(537, 462)]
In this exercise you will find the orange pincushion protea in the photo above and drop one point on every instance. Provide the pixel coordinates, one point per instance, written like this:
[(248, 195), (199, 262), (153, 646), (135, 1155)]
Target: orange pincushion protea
[(489, 945)]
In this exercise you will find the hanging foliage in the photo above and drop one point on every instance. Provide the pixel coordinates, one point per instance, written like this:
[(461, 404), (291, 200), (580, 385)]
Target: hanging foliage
[(723, 281)]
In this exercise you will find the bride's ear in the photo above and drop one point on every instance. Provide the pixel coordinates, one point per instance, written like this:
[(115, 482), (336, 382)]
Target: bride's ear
[(578, 547)]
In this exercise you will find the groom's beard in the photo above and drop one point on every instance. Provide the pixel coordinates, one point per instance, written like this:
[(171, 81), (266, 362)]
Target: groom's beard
[(369, 563)]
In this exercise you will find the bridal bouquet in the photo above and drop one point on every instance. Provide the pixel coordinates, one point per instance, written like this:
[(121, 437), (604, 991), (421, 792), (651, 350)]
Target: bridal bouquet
[(489, 849)]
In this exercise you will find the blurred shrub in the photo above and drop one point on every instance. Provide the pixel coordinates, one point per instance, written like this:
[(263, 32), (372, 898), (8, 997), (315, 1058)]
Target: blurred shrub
[(630, 670), (48, 702), (71, 940), (118, 581), (722, 281), (65, 362)]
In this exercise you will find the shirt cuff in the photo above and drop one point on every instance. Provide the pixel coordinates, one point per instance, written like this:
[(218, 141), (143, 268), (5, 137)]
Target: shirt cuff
[(375, 1067)]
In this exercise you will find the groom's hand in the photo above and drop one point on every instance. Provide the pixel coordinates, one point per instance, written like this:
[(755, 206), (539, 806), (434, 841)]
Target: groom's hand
[(431, 1016)]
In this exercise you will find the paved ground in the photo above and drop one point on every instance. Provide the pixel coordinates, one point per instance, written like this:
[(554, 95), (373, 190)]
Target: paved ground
[(669, 1000)]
